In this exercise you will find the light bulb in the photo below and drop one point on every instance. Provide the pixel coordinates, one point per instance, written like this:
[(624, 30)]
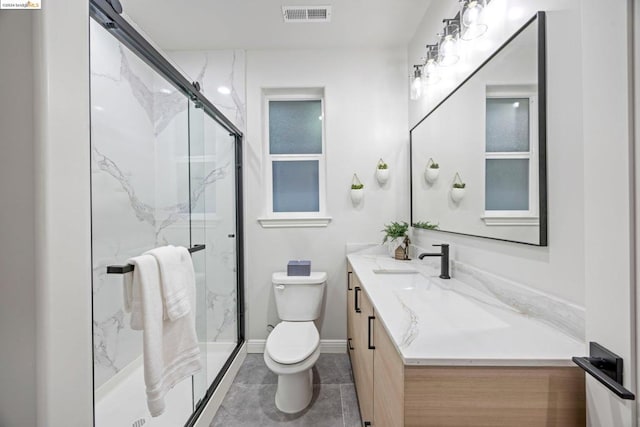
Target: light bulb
[(416, 88), (471, 14), (472, 26), (448, 51), (430, 72), (430, 67)]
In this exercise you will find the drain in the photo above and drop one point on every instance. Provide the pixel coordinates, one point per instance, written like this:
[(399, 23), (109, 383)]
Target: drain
[(139, 423)]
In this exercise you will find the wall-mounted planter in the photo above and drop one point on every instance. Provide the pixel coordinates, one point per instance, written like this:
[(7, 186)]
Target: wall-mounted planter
[(357, 195), (459, 189), (432, 171), (382, 175), (357, 190), (431, 174), (382, 172), (457, 194)]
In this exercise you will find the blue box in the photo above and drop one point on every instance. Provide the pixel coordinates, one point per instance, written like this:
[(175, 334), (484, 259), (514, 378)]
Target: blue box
[(299, 268)]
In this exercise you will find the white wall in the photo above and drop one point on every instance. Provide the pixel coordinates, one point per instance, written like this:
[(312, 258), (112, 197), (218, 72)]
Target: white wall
[(62, 214), (365, 119), (559, 268), (610, 231), (17, 252)]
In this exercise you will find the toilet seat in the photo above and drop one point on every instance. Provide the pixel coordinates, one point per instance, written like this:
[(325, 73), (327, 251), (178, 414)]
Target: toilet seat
[(285, 370), (292, 342)]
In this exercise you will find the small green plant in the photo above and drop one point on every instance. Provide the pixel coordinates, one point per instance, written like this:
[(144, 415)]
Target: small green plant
[(383, 166), (395, 230), (459, 185), (357, 186), (434, 165), (426, 225)]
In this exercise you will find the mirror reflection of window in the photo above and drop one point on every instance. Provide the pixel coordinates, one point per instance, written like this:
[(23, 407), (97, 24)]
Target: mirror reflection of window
[(510, 159)]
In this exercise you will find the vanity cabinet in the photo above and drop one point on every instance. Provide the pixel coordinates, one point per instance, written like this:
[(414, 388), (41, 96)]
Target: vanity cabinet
[(377, 367), (359, 323), (392, 394)]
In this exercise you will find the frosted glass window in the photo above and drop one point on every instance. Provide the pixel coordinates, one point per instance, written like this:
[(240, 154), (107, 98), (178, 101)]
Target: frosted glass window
[(507, 127), (296, 186), (507, 185), (295, 127)]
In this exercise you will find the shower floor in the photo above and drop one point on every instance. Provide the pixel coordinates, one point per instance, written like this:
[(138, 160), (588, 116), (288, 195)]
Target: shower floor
[(122, 400)]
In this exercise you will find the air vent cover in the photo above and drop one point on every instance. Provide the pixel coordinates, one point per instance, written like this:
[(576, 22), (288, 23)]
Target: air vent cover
[(306, 13)]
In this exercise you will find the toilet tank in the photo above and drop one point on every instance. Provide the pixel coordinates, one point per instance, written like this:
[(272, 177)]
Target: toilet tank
[(299, 298)]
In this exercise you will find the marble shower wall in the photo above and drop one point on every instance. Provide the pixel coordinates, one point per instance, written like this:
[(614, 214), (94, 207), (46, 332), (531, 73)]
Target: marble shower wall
[(214, 69), (140, 188), (214, 219)]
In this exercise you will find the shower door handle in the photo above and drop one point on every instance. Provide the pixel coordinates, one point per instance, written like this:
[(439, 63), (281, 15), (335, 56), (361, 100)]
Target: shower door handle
[(356, 304)]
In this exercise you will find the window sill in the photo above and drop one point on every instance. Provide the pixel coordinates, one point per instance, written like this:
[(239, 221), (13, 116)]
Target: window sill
[(309, 222), (531, 221)]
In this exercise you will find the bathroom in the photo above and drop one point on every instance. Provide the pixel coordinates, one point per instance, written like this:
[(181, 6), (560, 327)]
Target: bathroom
[(359, 64)]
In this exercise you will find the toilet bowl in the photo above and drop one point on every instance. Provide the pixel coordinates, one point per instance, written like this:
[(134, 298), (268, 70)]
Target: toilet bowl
[(291, 351), (293, 347)]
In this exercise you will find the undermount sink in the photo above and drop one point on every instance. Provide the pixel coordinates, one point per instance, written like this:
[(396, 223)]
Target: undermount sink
[(395, 271)]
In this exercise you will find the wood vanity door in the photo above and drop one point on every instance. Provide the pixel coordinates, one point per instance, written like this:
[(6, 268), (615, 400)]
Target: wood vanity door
[(364, 357), (350, 314), (388, 380)]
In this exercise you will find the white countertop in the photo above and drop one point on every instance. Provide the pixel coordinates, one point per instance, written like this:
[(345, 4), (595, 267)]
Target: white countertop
[(446, 322)]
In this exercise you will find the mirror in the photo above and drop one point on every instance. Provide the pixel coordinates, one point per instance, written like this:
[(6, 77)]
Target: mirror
[(478, 159)]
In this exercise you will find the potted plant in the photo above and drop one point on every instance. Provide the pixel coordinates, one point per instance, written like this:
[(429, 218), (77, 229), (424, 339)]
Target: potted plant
[(425, 225), (382, 172), (458, 190), (432, 171), (398, 240), (357, 190)]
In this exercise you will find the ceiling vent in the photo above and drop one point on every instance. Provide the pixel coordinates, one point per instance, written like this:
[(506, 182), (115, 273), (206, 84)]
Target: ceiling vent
[(306, 13)]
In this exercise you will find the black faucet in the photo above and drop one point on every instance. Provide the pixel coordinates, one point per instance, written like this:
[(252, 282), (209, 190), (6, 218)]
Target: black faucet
[(444, 260)]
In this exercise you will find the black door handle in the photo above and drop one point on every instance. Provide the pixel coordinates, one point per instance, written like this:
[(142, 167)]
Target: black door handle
[(371, 346), (606, 367), (356, 304), (349, 346), (349, 288)]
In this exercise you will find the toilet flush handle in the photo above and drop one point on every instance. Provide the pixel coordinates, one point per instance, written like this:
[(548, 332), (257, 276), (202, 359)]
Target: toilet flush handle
[(279, 287)]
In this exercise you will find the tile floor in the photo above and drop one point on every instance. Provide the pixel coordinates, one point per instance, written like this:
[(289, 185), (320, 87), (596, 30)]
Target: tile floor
[(250, 401)]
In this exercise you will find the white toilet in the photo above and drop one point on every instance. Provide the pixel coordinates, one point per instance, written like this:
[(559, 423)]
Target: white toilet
[(293, 347)]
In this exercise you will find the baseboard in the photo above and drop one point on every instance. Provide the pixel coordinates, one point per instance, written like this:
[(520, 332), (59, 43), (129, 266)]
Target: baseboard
[(209, 412), (326, 346)]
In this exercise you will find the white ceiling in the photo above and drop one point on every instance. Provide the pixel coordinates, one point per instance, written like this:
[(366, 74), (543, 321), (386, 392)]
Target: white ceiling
[(258, 24)]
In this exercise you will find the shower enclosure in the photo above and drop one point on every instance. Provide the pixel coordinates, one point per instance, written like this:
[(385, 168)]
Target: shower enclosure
[(166, 169)]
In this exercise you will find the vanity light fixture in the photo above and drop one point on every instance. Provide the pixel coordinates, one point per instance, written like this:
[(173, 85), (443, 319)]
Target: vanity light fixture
[(471, 19), (448, 44), (430, 68), (416, 83)]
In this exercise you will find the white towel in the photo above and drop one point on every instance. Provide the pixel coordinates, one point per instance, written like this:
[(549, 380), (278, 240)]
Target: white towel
[(132, 303), (176, 276), (170, 347)]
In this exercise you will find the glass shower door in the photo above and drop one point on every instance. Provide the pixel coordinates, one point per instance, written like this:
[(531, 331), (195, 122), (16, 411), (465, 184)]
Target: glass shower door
[(221, 229), (213, 222), (197, 169)]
